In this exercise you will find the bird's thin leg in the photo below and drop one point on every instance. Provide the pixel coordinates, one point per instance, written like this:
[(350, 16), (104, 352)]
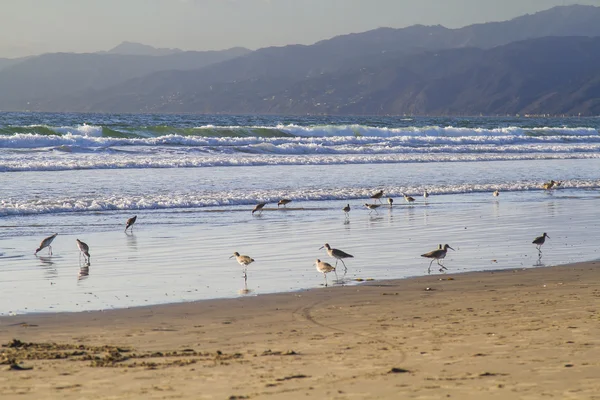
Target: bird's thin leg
[(345, 268), (429, 269), (50, 250), (336, 261), (325, 275)]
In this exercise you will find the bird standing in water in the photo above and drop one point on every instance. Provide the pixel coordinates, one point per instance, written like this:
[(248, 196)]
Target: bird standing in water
[(324, 268), (539, 241), (377, 196), (283, 202), (437, 255), (46, 243), (337, 254), (244, 261), (85, 249), (130, 222), (258, 208), (346, 210)]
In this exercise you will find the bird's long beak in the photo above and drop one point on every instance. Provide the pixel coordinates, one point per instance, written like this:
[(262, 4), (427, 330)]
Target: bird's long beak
[(231, 257), (548, 236), (451, 248), (321, 247)]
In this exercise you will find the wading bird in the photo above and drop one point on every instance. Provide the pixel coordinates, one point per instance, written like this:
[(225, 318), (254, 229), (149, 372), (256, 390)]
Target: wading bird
[(372, 207), (258, 208), (337, 254), (85, 249), (130, 222), (46, 243), (324, 268), (283, 202), (437, 255), (539, 241), (244, 261), (377, 196)]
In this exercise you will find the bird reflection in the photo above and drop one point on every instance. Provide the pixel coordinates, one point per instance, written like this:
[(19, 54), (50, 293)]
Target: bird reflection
[(84, 272), (245, 290), (131, 240)]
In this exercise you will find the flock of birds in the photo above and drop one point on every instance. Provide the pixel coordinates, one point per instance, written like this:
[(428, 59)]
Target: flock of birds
[(436, 255), (323, 267), (84, 249)]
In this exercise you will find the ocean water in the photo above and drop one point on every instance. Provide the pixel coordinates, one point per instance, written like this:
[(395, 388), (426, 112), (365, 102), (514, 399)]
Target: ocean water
[(193, 181)]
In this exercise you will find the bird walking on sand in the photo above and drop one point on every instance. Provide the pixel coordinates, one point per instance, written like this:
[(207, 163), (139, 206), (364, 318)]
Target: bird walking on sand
[(372, 207), (390, 202), (496, 193), (377, 196), (130, 222), (339, 255), (425, 194), (258, 208), (46, 243), (85, 249), (283, 202), (539, 241), (244, 261), (346, 210), (437, 255), (408, 199), (325, 268)]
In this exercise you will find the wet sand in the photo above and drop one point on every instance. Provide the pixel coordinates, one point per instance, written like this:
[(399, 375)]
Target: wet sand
[(510, 334)]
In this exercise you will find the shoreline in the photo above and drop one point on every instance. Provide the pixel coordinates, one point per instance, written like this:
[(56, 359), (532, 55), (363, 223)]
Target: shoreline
[(507, 333)]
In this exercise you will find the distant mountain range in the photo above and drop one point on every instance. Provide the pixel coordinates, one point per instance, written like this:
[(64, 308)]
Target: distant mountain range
[(545, 63)]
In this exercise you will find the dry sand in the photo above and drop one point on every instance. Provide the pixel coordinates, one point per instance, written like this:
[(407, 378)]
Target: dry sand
[(513, 334)]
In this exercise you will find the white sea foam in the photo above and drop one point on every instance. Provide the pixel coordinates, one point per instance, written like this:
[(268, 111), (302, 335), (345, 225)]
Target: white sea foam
[(230, 198)]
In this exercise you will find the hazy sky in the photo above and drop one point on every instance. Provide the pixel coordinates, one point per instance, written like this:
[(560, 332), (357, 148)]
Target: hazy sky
[(38, 26)]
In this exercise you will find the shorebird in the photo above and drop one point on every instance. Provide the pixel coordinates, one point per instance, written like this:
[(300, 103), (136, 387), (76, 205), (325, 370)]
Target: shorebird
[(539, 241), (496, 193), (557, 183), (324, 268), (408, 198), (372, 207), (46, 243), (130, 222), (339, 255), (85, 249), (258, 208), (548, 185), (425, 194), (377, 196), (437, 255), (390, 201), (346, 210), (283, 202), (244, 261)]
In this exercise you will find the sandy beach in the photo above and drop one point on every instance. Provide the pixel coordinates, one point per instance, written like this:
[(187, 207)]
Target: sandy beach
[(510, 334)]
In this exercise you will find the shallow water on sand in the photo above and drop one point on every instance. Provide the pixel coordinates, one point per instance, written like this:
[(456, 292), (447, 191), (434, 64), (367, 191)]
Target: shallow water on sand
[(183, 254)]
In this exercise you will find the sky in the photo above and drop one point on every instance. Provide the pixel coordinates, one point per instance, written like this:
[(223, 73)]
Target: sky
[(41, 26)]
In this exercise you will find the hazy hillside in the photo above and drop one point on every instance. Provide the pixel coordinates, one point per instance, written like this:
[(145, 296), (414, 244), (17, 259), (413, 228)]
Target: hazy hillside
[(417, 69), (38, 83), (138, 49)]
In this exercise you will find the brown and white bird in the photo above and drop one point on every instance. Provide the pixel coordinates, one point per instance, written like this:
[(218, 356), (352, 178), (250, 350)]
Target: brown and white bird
[(130, 222), (408, 199), (283, 202), (377, 196), (539, 241), (346, 210), (496, 193), (372, 207), (85, 249), (46, 243), (425, 194), (244, 261), (437, 255), (339, 255), (548, 185), (324, 268), (390, 201), (258, 208)]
